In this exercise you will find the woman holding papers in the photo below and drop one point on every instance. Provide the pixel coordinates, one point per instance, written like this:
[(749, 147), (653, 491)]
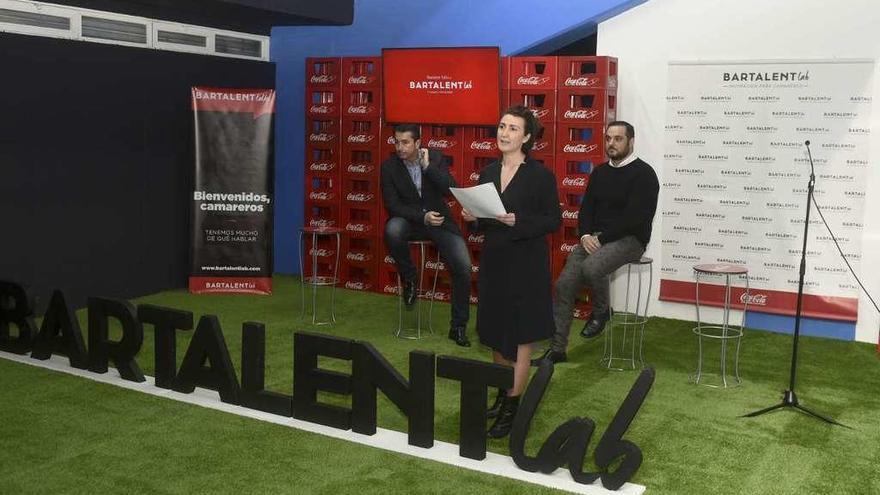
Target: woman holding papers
[(515, 308)]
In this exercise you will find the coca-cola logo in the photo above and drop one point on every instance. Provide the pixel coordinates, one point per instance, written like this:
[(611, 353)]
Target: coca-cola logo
[(474, 177), (388, 259), (754, 299), (569, 214), (434, 265), (574, 181), (320, 196), (581, 114), (439, 296), (321, 166), (532, 80), (474, 300), (322, 137), (540, 145), (579, 313), (356, 285), (361, 109), (475, 268), (321, 253), (321, 109), (360, 138), (581, 81), (322, 79), (476, 238), (359, 168), (390, 289), (580, 148), (441, 144), (567, 248), (391, 141), (358, 257), (321, 223), (357, 227), (360, 197), (359, 80), (483, 145), (540, 113)]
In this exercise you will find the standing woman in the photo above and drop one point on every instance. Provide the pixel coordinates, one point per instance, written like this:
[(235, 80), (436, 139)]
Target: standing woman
[(515, 307)]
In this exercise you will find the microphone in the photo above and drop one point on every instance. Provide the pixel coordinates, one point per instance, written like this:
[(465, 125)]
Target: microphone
[(807, 142)]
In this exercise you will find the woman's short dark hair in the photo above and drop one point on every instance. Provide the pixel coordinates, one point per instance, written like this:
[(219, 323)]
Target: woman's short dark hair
[(533, 126)]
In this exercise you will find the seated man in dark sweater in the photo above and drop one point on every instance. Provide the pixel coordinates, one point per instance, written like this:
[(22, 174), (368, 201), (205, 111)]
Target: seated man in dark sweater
[(614, 223)]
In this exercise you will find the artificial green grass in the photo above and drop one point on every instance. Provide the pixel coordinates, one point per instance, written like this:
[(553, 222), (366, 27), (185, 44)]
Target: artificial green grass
[(78, 436)]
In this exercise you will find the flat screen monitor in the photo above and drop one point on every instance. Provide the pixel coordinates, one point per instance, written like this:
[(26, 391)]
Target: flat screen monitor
[(442, 85)]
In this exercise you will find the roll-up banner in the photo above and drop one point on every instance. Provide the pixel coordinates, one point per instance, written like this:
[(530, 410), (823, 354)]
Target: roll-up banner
[(232, 196)]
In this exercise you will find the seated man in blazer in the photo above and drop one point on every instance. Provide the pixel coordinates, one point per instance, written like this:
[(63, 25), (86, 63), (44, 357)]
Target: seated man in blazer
[(414, 184)]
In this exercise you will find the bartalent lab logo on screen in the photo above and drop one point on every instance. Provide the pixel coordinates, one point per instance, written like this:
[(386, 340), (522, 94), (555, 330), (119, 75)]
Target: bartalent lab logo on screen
[(441, 84)]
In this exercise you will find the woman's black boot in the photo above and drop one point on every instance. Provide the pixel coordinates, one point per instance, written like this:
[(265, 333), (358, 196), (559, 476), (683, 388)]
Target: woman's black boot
[(496, 407), (504, 421)]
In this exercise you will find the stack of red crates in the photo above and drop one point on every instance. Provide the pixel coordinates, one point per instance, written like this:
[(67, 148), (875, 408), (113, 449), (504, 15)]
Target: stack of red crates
[(361, 158), (347, 140), (323, 188)]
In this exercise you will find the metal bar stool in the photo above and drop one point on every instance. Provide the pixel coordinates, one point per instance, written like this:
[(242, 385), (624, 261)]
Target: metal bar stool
[(631, 320), (725, 331), (409, 332), (316, 280)]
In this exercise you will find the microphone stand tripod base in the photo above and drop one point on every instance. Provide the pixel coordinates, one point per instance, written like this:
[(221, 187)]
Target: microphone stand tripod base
[(789, 399)]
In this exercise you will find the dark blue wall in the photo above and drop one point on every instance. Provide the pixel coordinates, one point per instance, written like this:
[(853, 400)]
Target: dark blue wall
[(515, 27)]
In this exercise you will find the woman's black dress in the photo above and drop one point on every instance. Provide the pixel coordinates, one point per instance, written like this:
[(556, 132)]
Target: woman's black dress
[(515, 305)]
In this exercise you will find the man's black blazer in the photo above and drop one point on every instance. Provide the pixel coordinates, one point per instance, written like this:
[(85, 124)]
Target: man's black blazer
[(402, 198)]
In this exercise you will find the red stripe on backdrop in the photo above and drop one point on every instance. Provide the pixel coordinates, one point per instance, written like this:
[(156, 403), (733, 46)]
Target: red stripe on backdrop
[(230, 285), (763, 300)]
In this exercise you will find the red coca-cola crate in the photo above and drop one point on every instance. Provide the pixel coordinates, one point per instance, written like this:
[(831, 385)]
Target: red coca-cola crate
[(573, 171), (386, 142), (357, 191), (472, 166), (571, 204), (546, 161), (319, 257), (505, 73), (362, 72), (361, 220), (363, 163), (580, 139), (454, 162), (323, 72), (545, 144), (444, 138), (359, 277), (322, 214), (475, 292), (322, 159), (587, 72), (322, 188), (362, 251), (542, 102), (481, 140), (323, 132), (388, 283), (362, 102), (532, 72), (323, 103), (594, 106), (473, 238), (442, 290), (361, 133)]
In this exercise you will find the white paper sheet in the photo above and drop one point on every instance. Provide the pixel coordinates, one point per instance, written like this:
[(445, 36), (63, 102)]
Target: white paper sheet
[(481, 201)]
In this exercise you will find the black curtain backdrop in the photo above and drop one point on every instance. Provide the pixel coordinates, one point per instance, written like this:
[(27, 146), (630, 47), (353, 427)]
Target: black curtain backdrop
[(96, 160)]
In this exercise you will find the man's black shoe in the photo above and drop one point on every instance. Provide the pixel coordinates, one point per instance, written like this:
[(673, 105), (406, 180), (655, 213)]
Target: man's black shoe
[(595, 324), (459, 336), (410, 291), (552, 356)]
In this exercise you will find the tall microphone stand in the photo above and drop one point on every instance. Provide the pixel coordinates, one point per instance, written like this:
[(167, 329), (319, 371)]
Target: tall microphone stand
[(789, 398)]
